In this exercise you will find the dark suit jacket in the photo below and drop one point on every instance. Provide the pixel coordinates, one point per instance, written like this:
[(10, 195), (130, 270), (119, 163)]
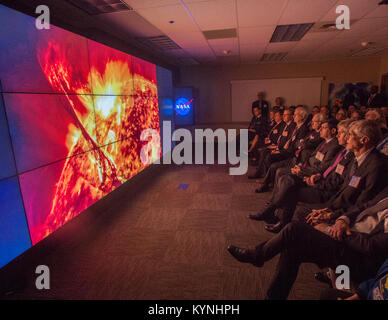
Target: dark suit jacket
[(312, 141), (260, 125), (377, 102), (264, 105), (329, 150), (373, 176), (357, 209), (307, 146), (298, 134), (375, 244), (276, 132), (286, 134), (335, 180)]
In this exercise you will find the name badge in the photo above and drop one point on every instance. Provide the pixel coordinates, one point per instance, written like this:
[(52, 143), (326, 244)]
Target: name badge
[(267, 141), (285, 133), (319, 156), (275, 131), (340, 169), (355, 181)]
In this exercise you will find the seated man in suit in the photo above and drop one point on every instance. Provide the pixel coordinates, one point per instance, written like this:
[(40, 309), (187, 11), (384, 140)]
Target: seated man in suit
[(289, 148), (359, 241), (293, 187), (273, 136), (318, 162), (377, 115), (258, 129), (307, 146), (315, 161), (304, 147), (366, 177), (262, 104), (263, 155), (376, 99)]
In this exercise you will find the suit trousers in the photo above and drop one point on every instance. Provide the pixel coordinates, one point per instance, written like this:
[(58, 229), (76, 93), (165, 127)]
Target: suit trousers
[(299, 243)]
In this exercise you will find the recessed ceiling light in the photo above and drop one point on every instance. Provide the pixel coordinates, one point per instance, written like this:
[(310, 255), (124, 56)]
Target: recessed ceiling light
[(366, 43), (329, 26), (226, 52)]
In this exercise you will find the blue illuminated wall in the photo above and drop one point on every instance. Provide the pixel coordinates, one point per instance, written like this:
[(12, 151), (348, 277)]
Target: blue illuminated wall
[(166, 101), (44, 106), (14, 234), (184, 106)]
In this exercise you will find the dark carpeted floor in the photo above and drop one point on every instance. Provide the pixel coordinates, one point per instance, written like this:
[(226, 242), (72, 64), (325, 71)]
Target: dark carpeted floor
[(153, 240)]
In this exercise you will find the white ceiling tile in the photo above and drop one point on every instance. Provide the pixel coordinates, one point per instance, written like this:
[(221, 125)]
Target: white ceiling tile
[(255, 35), (305, 11), (280, 47), (253, 13), (131, 23), (161, 16), (364, 27), (142, 4), (319, 36), (357, 8), (213, 15), (251, 50), (177, 53), (250, 54), (219, 45), (201, 52), (228, 59), (189, 39), (379, 12)]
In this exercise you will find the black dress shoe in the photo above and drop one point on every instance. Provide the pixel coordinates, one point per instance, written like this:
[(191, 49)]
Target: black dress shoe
[(262, 189), (323, 277), (274, 228), (254, 176), (257, 217), (244, 255), (266, 214)]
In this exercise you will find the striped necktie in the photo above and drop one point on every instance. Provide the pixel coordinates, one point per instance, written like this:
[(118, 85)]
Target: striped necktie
[(335, 163)]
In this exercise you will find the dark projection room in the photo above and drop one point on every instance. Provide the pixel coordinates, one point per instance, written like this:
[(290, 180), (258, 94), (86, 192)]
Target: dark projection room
[(195, 158)]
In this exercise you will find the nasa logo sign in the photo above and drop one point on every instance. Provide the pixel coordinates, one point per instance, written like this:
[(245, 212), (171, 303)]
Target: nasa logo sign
[(183, 106)]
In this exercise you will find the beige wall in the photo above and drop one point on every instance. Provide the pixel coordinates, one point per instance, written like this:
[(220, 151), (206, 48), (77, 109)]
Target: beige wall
[(213, 82), (384, 65)]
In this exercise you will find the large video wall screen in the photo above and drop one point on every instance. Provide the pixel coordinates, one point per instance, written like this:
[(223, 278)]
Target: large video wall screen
[(71, 114)]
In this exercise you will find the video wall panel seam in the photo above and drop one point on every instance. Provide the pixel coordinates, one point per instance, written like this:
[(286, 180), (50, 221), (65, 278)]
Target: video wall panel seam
[(71, 158), (17, 174), (20, 170)]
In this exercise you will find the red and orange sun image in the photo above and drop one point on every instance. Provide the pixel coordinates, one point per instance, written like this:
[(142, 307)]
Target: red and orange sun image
[(106, 102)]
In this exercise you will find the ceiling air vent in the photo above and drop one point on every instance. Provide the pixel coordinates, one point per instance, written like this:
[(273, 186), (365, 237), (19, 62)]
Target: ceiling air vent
[(368, 51), (290, 32), (328, 26), (267, 57), (220, 34), (162, 43), (95, 7), (187, 61)]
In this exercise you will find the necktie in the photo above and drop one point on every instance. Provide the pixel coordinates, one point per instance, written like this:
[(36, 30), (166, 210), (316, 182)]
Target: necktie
[(353, 168), (280, 135), (319, 149), (335, 163)]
